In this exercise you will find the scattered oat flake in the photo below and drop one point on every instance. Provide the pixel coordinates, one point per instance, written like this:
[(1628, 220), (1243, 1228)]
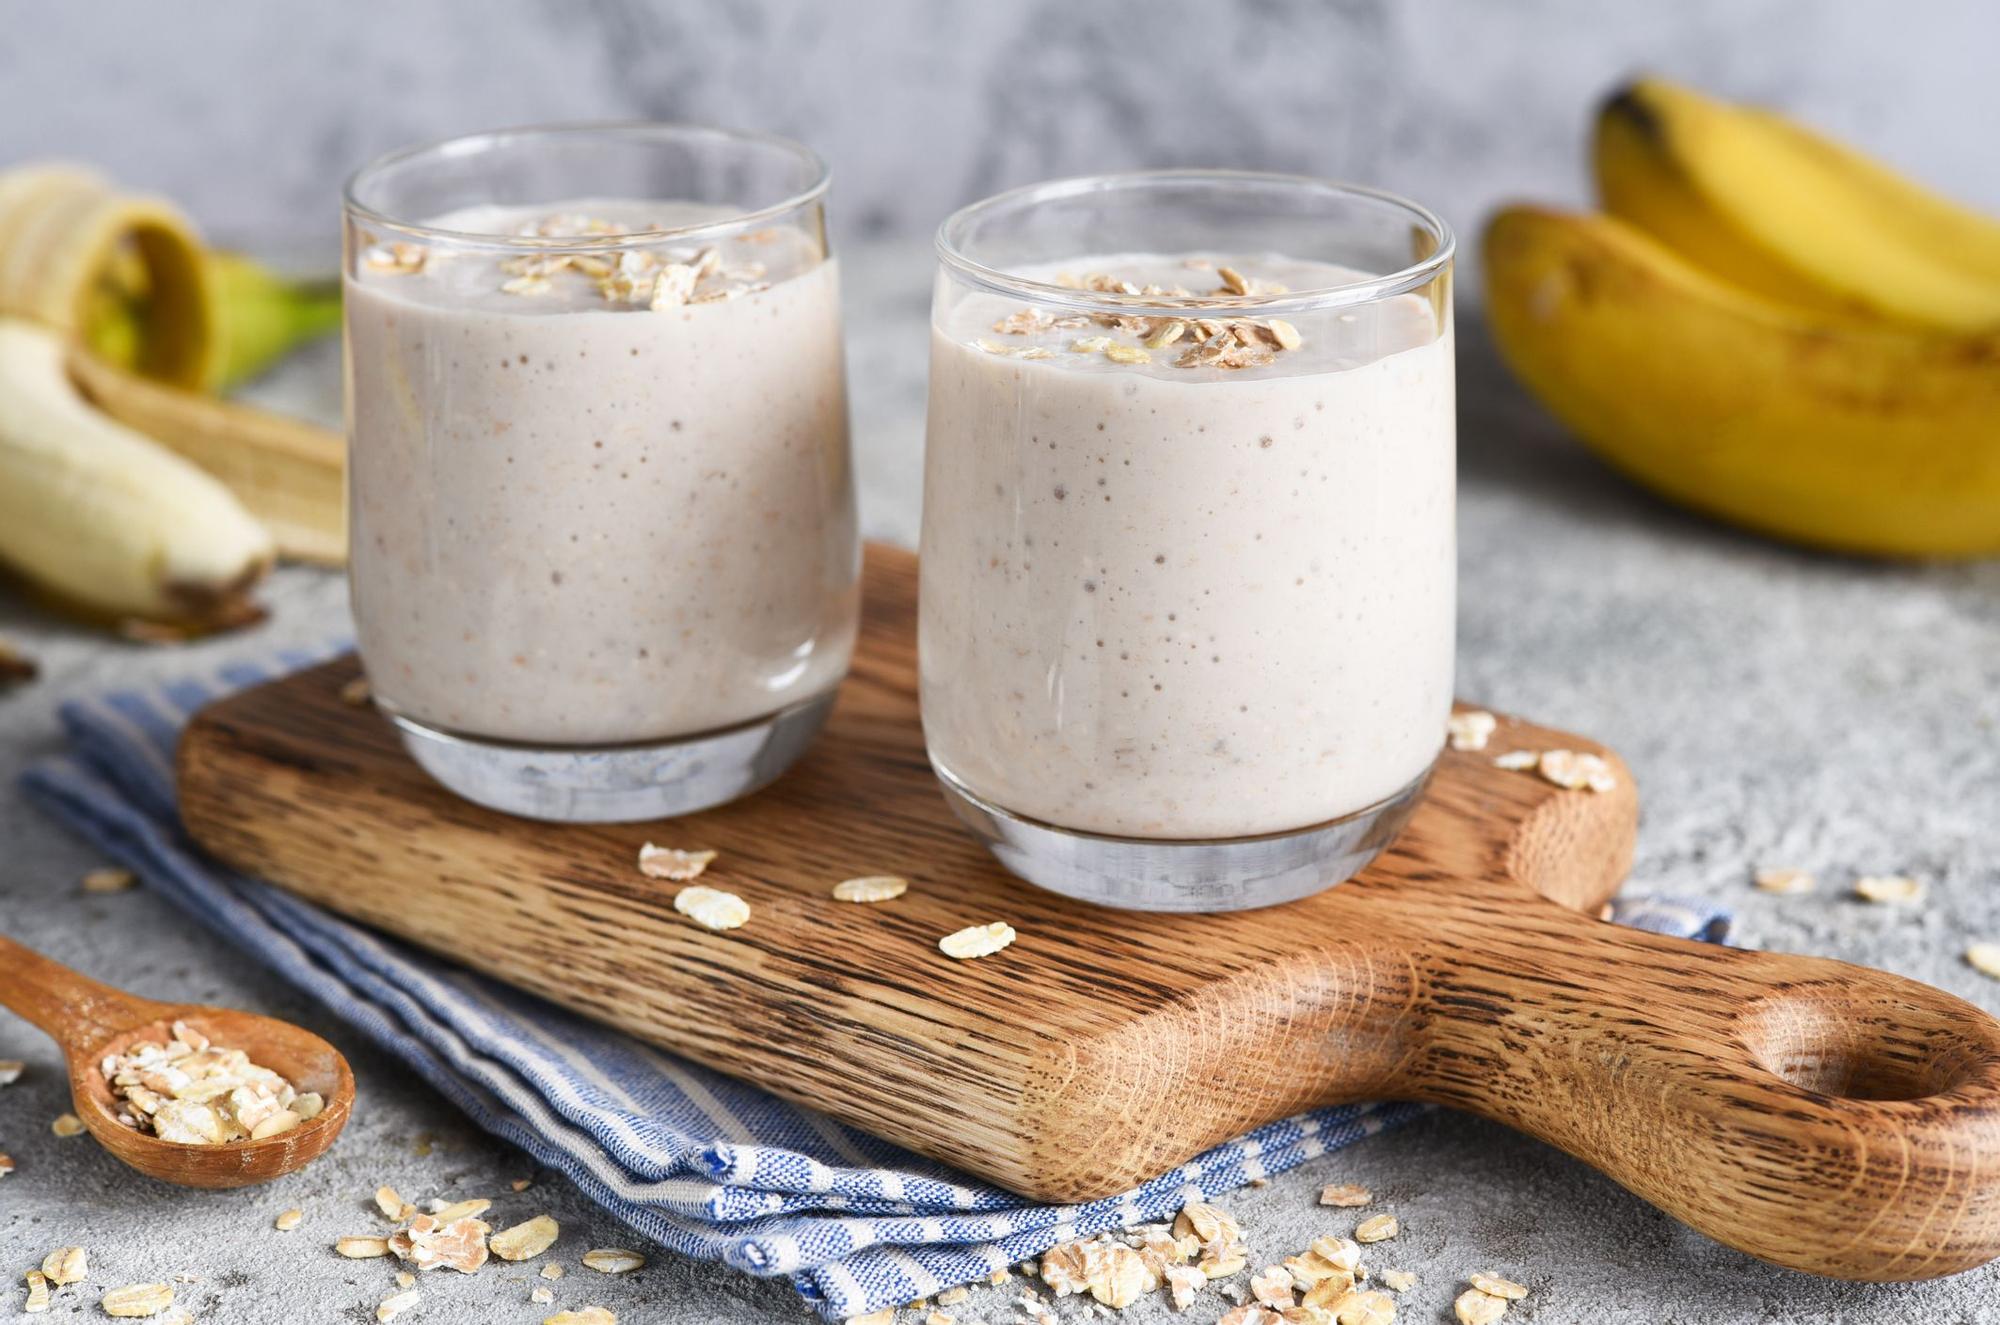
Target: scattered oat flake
[(1119, 1276), (1345, 1194), (940, 1318), (11, 1070), (521, 1184), (357, 693), (526, 1240), (66, 1265), (1183, 1282), (109, 880), (541, 1295), (38, 1293), (404, 1279), (951, 1297), (977, 940), (67, 1124), (1517, 761), (137, 1299), (712, 908), (1119, 352), (873, 888), (6, 1164), (886, 1316), (1469, 730), (396, 1304), (1575, 771), (1272, 1286), (613, 1260), (1401, 1281), (462, 1210), (594, 1316), (1888, 888), (427, 1242), (288, 1220), (1473, 1307), (673, 863), (1495, 1286), (1784, 880), (1378, 1229), (361, 1247), (1984, 958), (553, 1270), (390, 1202)]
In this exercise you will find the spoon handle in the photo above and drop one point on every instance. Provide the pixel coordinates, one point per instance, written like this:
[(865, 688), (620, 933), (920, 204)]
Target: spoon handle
[(75, 1009)]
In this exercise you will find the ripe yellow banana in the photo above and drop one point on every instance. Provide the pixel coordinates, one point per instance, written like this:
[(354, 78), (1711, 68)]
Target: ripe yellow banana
[(1774, 208), (102, 517), (1860, 437)]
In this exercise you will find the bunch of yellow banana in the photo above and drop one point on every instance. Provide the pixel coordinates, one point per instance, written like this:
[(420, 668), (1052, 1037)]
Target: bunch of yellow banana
[(1765, 326), (126, 487)]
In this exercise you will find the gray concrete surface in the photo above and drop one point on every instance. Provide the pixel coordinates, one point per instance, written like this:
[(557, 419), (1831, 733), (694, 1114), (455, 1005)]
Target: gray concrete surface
[(1777, 707)]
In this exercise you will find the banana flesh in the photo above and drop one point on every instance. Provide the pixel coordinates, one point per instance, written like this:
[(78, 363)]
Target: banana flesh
[(99, 515), (1776, 209), (1871, 438)]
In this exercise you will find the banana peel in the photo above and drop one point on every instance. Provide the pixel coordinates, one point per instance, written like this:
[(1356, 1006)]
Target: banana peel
[(1878, 439), (290, 474), (259, 316), (1774, 208), (97, 515)]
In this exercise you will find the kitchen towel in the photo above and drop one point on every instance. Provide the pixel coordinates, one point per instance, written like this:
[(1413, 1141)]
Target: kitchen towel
[(698, 1162)]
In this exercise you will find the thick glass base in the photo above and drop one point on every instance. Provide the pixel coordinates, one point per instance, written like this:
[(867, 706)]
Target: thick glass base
[(617, 783), (1213, 874)]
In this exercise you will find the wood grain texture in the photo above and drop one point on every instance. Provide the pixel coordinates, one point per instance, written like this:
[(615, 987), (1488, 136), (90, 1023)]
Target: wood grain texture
[(1815, 1114), (90, 1020)]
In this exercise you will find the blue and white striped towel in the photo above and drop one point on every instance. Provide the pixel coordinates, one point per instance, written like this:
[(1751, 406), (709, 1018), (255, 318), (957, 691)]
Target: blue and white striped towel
[(701, 1163)]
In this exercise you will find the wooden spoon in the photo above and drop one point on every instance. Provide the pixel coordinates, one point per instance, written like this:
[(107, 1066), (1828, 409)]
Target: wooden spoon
[(90, 1020)]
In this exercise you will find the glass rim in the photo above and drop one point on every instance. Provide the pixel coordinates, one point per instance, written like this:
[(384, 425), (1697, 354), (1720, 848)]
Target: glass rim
[(1347, 294), (467, 144)]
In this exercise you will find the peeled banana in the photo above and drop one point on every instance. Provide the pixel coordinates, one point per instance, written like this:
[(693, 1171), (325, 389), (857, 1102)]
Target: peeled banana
[(1777, 209), (1855, 436), (99, 515)]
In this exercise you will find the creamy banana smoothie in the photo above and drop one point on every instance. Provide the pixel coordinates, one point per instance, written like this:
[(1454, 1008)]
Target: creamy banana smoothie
[(1186, 576), (600, 496)]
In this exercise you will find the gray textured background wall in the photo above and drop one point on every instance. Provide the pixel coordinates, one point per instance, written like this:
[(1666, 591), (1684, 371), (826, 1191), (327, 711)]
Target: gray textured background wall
[(251, 113)]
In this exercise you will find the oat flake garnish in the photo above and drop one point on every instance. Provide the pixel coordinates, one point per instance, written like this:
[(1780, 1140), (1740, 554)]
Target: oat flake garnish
[(109, 880), (873, 888), (711, 908), (1888, 888), (1345, 1194), (1476, 1308), (1378, 1229), (137, 1300), (591, 1316), (1984, 958), (1119, 352), (673, 863), (1469, 730), (525, 1240), (396, 1304), (977, 940), (613, 1260), (1784, 881), (66, 1265), (527, 285), (1495, 1286), (398, 259), (67, 1124)]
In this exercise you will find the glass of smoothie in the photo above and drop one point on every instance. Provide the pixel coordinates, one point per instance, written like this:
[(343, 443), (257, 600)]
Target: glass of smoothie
[(1188, 552), (604, 554)]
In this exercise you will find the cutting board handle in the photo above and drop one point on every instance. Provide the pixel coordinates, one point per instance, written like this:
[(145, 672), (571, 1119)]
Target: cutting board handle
[(1817, 1115)]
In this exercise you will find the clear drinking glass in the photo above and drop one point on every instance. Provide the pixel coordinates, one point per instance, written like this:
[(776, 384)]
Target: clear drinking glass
[(1188, 561), (604, 555)]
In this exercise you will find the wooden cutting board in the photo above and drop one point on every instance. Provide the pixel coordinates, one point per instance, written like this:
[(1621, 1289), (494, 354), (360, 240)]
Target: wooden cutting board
[(1819, 1115)]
